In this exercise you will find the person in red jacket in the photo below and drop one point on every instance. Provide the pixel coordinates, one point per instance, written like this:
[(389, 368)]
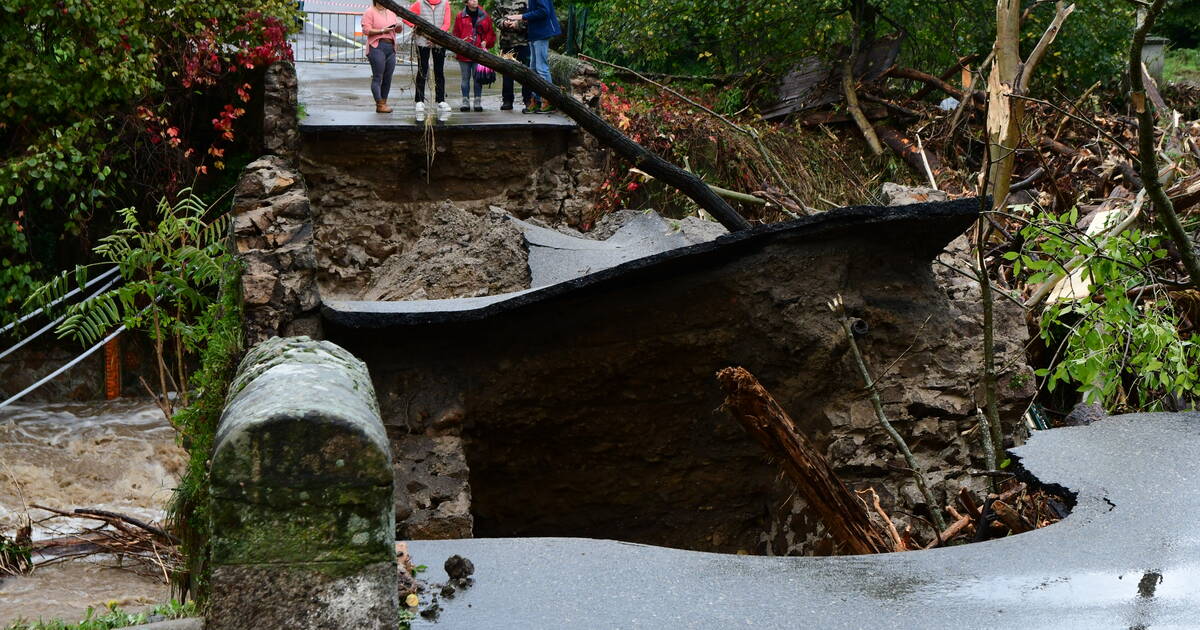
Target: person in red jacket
[(473, 25), (439, 13)]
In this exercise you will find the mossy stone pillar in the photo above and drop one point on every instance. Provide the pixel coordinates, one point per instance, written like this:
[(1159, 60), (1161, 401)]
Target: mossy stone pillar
[(303, 516)]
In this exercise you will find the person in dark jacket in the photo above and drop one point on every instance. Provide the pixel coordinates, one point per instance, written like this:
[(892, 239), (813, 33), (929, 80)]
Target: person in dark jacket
[(474, 26), (513, 42), (541, 25)]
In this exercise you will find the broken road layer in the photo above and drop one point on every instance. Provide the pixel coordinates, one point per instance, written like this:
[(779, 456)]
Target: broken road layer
[(587, 407)]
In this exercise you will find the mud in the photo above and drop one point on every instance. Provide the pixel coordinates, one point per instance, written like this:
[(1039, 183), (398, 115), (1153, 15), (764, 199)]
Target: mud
[(459, 254), (119, 456), (65, 591)]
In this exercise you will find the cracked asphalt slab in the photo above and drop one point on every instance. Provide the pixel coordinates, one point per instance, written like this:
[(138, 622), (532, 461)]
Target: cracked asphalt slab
[(1128, 556)]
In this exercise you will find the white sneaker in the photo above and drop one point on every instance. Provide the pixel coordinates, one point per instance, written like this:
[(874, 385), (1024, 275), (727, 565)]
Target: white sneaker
[(443, 106), (420, 109)]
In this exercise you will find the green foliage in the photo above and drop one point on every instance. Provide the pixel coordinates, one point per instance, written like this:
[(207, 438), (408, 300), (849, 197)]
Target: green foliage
[(1182, 65), (1180, 23), (197, 425), (729, 37), (1121, 347), (111, 617), (90, 104), (170, 272)]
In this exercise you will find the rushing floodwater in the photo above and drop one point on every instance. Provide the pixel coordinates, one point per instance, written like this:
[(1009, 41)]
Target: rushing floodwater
[(119, 456)]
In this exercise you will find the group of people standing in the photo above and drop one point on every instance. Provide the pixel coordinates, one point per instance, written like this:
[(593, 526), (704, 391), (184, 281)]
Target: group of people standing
[(525, 31)]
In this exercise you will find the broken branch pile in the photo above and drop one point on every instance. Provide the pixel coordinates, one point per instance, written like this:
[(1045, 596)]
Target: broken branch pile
[(153, 551), (856, 526)]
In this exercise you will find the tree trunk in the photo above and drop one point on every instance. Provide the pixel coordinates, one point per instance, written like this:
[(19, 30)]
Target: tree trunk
[(641, 158), (1164, 210), (1004, 113), (843, 514)]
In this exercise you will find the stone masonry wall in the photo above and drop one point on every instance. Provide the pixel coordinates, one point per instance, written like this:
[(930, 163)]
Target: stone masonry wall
[(273, 236)]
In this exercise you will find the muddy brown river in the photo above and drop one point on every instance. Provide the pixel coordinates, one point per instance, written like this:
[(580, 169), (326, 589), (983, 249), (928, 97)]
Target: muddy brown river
[(119, 456)]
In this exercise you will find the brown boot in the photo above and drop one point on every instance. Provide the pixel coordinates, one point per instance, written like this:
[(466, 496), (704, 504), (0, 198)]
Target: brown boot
[(381, 106)]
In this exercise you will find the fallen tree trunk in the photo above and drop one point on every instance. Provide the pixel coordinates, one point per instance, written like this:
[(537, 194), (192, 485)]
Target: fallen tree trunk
[(922, 162), (844, 515), (946, 76), (662, 170), (899, 72)]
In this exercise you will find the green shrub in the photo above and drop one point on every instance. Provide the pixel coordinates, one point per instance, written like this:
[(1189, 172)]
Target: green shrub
[(111, 617), (106, 107)]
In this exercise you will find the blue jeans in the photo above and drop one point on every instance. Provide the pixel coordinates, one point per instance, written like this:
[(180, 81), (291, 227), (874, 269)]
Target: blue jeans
[(383, 63), (539, 59), (468, 73)]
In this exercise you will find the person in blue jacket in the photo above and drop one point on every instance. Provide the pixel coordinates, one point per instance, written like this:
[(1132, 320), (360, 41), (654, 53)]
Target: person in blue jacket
[(541, 25)]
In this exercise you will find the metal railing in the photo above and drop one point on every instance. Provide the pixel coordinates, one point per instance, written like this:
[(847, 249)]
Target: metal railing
[(329, 37), (61, 302), (336, 37)]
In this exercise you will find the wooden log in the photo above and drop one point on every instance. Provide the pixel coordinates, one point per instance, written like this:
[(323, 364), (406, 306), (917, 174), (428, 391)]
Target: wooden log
[(842, 513), (900, 72), (953, 530), (662, 170), (946, 76), (968, 503), (910, 153), (1010, 517)]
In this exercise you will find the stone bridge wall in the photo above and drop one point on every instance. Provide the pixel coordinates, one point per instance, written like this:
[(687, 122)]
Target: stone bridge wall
[(303, 523)]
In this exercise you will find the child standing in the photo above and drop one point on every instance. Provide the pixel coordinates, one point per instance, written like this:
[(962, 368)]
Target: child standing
[(473, 25)]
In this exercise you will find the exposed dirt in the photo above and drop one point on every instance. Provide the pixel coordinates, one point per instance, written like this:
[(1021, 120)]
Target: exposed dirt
[(459, 254)]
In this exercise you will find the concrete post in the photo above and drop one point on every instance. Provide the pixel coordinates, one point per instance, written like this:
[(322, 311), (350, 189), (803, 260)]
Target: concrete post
[(303, 517)]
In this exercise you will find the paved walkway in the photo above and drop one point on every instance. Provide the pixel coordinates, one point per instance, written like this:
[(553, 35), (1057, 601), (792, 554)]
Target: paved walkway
[(339, 96)]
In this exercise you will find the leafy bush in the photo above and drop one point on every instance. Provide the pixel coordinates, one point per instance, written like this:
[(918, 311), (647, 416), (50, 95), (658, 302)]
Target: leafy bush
[(1180, 23), (180, 285), (1121, 345), (105, 106), (170, 272)]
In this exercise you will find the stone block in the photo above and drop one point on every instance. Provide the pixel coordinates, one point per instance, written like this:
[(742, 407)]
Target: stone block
[(302, 507)]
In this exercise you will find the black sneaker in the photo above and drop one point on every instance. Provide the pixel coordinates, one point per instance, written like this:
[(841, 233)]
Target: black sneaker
[(464, 108), (506, 106)]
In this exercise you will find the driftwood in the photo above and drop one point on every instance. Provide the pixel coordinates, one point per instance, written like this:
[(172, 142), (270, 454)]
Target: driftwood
[(842, 513), (639, 156), (152, 548), (1124, 168), (953, 530), (1009, 517)]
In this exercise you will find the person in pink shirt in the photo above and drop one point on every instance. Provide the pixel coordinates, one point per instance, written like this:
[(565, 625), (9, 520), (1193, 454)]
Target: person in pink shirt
[(380, 26)]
